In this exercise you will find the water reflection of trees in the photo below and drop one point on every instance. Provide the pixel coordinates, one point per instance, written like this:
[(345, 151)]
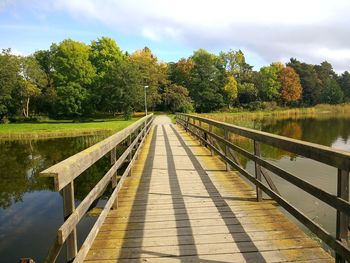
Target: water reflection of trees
[(21, 162), (323, 131)]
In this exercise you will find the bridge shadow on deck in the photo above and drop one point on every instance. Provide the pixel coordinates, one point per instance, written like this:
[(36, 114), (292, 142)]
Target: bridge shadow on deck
[(184, 233), (218, 201)]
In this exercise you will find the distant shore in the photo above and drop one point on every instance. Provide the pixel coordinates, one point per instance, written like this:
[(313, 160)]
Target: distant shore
[(243, 116), (55, 129)]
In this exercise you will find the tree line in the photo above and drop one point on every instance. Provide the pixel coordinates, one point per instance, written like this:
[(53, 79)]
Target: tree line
[(72, 80)]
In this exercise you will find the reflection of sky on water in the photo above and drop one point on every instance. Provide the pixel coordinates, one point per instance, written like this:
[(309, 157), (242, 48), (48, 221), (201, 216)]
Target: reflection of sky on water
[(341, 144), (29, 225), (30, 212)]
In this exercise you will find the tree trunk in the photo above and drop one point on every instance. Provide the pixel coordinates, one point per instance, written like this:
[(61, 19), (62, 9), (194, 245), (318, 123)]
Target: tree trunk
[(26, 108)]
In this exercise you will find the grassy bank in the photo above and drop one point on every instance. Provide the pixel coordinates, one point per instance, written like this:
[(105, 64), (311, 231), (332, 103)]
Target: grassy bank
[(319, 111), (51, 129)]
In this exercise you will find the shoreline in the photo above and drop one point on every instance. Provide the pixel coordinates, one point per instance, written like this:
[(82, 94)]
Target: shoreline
[(36, 131), (52, 135)]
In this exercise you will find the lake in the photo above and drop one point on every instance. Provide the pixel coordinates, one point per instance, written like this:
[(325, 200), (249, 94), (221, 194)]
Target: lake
[(31, 212), (329, 130)]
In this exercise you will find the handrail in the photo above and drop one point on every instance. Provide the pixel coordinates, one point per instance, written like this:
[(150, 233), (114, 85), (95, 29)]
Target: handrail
[(324, 154), (67, 170)]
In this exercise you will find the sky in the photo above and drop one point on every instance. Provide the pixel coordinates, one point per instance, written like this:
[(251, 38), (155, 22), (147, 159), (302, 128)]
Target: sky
[(266, 31)]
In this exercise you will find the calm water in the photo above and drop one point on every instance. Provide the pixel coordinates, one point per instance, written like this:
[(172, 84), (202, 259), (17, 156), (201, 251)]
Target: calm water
[(30, 211), (328, 130)]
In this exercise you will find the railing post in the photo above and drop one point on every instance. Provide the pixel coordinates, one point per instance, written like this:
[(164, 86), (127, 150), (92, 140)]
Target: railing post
[(226, 136), (257, 171), (342, 218), (199, 131), (211, 130), (113, 160), (130, 154), (68, 209)]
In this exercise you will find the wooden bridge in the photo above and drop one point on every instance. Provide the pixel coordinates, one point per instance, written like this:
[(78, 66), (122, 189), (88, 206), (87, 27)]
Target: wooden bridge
[(179, 200)]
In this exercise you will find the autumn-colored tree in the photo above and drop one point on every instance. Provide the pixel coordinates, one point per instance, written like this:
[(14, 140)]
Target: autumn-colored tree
[(153, 74), (291, 89), (231, 90), (180, 72), (309, 80), (235, 65)]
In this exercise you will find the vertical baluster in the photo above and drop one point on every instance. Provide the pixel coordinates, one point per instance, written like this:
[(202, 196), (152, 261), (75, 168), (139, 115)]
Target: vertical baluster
[(211, 130), (130, 154), (200, 132), (68, 209), (114, 177), (342, 218), (113, 160), (257, 171), (186, 127), (226, 136), (206, 139)]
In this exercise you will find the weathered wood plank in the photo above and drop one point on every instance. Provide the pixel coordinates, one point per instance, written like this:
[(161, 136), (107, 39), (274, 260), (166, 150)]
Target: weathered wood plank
[(200, 239), (289, 255), (200, 249), (184, 207)]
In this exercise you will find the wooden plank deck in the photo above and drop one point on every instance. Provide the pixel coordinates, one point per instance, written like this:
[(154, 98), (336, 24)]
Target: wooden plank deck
[(181, 205)]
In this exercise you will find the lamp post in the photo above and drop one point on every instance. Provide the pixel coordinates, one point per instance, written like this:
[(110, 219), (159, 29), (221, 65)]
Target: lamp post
[(146, 100)]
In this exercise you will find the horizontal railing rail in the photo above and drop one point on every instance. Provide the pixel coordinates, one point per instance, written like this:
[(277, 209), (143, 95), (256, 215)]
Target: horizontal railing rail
[(66, 171), (336, 158)]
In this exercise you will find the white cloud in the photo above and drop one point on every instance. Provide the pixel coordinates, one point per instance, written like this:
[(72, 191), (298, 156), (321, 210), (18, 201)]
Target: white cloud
[(311, 30)]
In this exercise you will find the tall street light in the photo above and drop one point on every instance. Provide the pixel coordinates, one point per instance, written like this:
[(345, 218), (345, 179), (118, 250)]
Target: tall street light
[(146, 100)]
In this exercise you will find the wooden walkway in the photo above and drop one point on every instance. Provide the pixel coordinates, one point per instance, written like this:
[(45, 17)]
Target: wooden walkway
[(180, 205)]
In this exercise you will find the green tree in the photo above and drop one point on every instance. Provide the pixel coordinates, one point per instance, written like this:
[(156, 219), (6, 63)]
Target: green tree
[(45, 102), (247, 92), (176, 99), (34, 80), (325, 72), (126, 88), (10, 81), (104, 55), (235, 65), (269, 85), (332, 92), (309, 81), (344, 83), (72, 71), (180, 72), (207, 81), (44, 60), (70, 100), (327, 78), (71, 64)]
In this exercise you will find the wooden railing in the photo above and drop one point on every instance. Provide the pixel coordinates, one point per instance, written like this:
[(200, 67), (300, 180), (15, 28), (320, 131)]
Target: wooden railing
[(66, 171), (202, 128)]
